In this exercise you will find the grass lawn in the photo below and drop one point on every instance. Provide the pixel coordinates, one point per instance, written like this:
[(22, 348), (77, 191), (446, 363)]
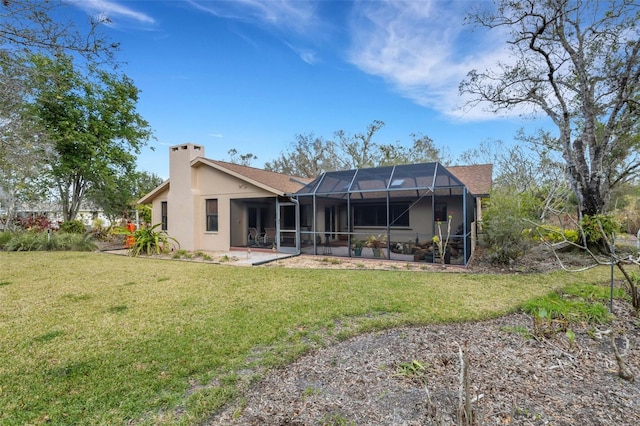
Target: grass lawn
[(90, 338)]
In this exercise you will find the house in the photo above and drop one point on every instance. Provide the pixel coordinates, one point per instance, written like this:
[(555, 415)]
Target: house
[(215, 205), (210, 205)]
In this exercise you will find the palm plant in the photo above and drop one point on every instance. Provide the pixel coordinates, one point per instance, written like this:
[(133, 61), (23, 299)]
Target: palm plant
[(149, 240)]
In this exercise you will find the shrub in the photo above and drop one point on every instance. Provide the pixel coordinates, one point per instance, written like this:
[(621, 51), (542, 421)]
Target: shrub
[(555, 234), (504, 226), (73, 227), (48, 241), (149, 240), (591, 225), (27, 241), (571, 235), (34, 223), (5, 237), (594, 226)]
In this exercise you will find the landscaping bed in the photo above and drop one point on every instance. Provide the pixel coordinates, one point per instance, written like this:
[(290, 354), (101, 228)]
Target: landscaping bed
[(410, 376)]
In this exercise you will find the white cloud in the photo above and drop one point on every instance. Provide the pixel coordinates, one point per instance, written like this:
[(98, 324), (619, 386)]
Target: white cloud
[(289, 17), (307, 55), (216, 135), (112, 10), (423, 50), (286, 14)]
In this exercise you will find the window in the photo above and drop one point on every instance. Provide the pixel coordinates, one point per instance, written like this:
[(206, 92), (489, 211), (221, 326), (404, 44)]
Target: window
[(440, 212), (163, 215), (376, 214), (212, 215)]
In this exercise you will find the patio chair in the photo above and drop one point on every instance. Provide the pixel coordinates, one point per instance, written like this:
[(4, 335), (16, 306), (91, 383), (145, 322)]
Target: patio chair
[(269, 235), (254, 237)]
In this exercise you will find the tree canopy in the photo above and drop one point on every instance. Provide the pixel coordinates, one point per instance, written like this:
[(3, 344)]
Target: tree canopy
[(32, 33), (311, 155), (93, 125), (578, 63)]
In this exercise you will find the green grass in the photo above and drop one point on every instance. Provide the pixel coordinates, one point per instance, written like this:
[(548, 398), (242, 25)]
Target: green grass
[(576, 303), (90, 338)]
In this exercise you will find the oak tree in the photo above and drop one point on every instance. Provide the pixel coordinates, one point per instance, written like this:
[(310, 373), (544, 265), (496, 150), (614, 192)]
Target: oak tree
[(578, 62)]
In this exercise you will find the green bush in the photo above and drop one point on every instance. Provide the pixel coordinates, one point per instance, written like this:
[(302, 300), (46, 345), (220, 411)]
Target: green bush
[(5, 237), (149, 240), (44, 241), (506, 235), (73, 227), (594, 226), (555, 234)]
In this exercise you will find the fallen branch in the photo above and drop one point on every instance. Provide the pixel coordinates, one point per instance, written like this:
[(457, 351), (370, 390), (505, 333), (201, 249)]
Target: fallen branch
[(623, 370), (465, 411)]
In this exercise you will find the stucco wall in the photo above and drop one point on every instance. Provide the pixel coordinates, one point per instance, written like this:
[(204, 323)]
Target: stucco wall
[(228, 190)]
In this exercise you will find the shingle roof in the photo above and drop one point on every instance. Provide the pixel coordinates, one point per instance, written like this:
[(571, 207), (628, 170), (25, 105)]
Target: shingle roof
[(477, 178), (281, 183)]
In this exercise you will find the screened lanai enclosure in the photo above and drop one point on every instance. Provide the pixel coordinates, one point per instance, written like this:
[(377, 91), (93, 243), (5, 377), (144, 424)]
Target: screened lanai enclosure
[(390, 212)]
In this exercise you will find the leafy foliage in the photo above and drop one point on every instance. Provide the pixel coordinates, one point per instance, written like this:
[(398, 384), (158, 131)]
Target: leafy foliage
[(578, 303), (36, 223), (310, 155), (594, 226), (5, 237), (49, 241), (376, 241), (117, 194), (73, 227), (505, 228), (555, 234), (93, 123), (150, 240)]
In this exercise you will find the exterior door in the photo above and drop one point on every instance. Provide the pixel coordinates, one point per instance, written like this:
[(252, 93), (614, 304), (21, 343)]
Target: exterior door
[(287, 228)]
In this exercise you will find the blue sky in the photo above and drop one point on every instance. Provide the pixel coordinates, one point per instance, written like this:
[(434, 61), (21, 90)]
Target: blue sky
[(250, 75)]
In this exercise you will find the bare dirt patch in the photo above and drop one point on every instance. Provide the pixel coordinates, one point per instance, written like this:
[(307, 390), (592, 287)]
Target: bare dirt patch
[(410, 376)]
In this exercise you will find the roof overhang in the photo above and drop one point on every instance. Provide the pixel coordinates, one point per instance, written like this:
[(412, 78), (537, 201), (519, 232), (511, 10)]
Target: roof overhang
[(203, 161), (151, 195)]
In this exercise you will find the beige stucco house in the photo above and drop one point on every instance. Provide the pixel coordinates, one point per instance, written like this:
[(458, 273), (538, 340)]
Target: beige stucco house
[(210, 205), (215, 205)]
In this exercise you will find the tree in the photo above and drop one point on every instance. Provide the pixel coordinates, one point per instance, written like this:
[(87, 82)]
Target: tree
[(308, 157), (28, 27), (423, 150), (242, 159), (93, 123), (117, 195), (579, 63), (23, 148), (360, 150)]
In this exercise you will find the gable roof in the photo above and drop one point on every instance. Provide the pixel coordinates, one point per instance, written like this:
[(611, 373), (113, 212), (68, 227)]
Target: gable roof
[(151, 195), (277, 183), (477, 178)]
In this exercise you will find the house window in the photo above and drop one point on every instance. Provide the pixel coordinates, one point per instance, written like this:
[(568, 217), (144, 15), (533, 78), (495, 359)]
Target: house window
[(212, 215), (376, 214), (163, 215), (440, 212)]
